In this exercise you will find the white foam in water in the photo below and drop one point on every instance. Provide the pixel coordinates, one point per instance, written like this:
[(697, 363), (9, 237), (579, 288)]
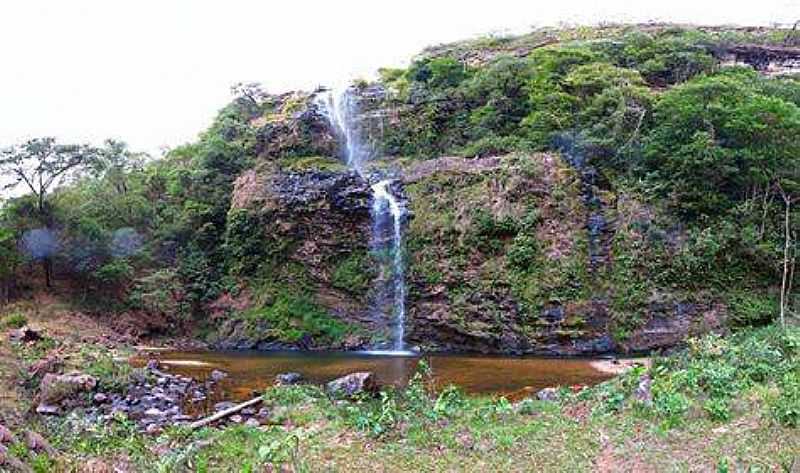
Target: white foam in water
[(404, 353)]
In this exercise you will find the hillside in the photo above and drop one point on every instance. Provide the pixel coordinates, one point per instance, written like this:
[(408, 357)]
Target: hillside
[(617, 190), (605, 189)]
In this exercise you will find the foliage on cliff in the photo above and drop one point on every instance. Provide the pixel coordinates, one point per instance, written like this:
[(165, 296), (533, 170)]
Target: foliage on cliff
[(690, 164)]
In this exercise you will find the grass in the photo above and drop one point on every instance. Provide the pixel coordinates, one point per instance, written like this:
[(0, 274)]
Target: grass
[(753, 374), (13, 320)]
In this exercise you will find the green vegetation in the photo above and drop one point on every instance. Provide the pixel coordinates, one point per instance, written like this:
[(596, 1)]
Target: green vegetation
[(293, 317), (720, 402), (15, 320), (353, 274), (692, 164)]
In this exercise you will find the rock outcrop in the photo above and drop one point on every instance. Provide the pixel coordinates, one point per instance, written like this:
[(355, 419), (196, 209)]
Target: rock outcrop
[(498, 260)]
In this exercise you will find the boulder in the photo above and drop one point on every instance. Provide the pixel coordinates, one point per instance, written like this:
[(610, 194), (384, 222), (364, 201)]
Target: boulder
[(6, 437), (352, 384), (49, 364), (57, 387), (285, 379), (548, 394), (24, 335), (37, 443)]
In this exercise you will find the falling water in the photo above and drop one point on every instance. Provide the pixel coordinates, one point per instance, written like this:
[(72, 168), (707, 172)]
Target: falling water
[(388, 212), (386, 204)]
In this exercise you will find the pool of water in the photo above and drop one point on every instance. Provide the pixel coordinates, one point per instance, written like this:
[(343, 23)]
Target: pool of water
[(250, 372)]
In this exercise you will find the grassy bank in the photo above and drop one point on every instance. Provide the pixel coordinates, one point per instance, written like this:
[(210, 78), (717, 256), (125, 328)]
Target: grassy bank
[(722, 404)]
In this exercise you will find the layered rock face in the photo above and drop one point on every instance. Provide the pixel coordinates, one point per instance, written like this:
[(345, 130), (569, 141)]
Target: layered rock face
[(501, 259)]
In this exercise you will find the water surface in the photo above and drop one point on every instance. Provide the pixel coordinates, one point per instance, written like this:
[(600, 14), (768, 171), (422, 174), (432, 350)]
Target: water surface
[(250, 372)]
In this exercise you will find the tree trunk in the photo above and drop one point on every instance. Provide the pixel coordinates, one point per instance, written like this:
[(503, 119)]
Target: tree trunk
[(787, 240), (790, 286), (764, 208), (47, 265)]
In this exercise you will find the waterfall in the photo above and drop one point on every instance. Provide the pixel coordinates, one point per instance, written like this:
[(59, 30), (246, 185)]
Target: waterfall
[(386, 204), (388, 212)]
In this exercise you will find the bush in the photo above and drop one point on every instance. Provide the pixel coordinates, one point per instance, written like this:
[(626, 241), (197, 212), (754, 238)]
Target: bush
[(113, 273), (488, 232), (354, 274), (15, 320), (292, 317), (786, 407), (718, 409), (748, 308), (522, 253)]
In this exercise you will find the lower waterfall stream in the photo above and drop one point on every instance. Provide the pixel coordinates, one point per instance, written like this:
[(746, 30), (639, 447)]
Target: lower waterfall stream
[(388, 213)]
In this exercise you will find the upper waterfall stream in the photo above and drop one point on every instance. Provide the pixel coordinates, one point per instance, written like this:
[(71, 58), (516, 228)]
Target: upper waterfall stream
[(388, 212)]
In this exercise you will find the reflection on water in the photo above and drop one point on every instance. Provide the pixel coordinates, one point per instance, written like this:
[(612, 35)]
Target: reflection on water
[(255, 371)]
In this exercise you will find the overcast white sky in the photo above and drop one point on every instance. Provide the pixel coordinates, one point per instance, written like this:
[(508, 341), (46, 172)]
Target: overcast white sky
[(154, 72)]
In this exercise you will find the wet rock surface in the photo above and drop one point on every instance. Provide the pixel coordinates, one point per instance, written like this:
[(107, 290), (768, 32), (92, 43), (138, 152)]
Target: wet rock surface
[(156, 400), (352, 384), (284, 379)]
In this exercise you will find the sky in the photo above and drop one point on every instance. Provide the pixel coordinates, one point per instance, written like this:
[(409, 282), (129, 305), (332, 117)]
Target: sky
[(154, 73)]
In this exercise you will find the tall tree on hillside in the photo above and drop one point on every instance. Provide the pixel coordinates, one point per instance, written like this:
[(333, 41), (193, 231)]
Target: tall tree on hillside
[(41, 164), (789, 190)]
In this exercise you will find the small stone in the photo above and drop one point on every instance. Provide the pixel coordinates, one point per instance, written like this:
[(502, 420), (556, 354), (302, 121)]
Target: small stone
[(154, 412), (224, 405), (248, 411), (48, 409), (6, 459), (252, 422), (217, 376), (548, 394), (263, 413), (161, 381), (100, 398), (153, 429), (236, 419), (152, 365)]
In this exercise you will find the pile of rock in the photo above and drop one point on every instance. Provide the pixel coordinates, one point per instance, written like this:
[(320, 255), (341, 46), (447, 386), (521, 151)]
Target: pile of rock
[(32, 440)]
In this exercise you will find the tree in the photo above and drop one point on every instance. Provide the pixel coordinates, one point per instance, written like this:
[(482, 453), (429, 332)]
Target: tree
[(9, 259), (115, 162), (789, 190), (41, 163)]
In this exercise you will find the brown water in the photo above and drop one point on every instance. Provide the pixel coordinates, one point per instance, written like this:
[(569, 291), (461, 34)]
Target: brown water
[(250, 372)]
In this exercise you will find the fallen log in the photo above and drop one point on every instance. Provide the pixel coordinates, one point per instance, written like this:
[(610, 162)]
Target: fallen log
[(225, 413)]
